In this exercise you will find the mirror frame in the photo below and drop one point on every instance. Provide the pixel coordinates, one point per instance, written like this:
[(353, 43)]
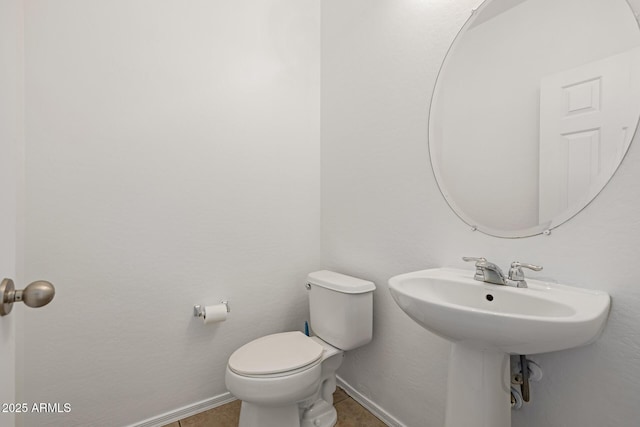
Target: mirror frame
[(544, 228)]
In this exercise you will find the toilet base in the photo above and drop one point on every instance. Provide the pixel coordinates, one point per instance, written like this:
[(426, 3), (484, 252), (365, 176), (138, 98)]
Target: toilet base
[(252, 415), (320, 414), (312, 412)]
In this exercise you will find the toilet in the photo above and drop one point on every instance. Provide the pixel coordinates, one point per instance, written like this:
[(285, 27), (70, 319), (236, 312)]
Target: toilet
[(288, 379)]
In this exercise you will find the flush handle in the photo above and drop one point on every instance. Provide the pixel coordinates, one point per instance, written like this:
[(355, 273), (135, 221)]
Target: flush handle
[(35, 295)]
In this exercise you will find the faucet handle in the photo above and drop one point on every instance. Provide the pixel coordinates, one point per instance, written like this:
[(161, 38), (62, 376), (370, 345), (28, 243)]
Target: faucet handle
[(473, 259), (480, 261), (526, 265), (516, 273)]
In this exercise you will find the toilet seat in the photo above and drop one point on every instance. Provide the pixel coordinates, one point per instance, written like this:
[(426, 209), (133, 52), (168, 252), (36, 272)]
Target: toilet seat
[(276, 355)]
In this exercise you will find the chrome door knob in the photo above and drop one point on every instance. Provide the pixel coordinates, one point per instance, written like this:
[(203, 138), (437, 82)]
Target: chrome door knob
[(35, 295)]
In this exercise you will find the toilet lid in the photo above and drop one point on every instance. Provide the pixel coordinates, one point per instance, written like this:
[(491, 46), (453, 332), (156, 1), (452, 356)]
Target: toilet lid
[(275, 354)]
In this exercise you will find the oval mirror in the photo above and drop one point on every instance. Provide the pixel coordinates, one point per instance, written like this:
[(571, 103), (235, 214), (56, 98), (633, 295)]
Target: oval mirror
[(535, 105)]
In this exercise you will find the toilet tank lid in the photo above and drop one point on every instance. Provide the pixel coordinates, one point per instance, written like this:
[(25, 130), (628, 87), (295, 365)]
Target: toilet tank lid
[(340, 282)]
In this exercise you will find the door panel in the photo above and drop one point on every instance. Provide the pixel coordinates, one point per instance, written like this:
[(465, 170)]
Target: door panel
[(586, 122), (11, 138)]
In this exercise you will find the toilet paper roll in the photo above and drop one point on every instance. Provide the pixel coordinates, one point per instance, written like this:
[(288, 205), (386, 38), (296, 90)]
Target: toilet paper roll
[(214, 313)]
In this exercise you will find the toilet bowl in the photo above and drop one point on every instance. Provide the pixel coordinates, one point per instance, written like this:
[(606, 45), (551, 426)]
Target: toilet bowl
[(288, 379), (277, 393)]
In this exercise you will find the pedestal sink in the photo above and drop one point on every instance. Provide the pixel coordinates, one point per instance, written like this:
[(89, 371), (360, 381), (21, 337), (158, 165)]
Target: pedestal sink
[(485, 323)]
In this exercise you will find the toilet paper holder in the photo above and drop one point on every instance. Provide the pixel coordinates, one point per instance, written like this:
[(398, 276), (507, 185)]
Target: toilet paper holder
[(198, 310)]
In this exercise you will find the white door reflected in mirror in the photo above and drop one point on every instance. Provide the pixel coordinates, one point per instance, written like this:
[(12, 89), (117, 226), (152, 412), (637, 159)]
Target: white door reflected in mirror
[(587, 117), (534, 108)]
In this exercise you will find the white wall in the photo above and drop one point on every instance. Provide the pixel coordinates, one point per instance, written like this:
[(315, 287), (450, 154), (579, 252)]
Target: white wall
[(383, 215), (172, 159)]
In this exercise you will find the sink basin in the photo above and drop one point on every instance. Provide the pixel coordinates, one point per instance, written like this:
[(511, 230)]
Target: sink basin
[(541, 318), (486, 323)]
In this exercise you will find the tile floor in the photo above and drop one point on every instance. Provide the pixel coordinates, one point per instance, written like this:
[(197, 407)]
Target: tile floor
[(350, 414)]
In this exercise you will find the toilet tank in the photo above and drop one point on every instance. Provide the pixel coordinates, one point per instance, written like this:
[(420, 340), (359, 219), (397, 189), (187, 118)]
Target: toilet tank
[(341, 308)]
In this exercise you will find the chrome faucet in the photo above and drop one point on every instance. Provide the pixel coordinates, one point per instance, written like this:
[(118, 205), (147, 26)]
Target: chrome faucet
[(490, 273)]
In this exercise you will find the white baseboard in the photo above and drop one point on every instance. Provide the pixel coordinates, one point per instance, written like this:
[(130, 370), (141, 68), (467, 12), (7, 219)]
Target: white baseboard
[(186, 411), (214, 402), (372, 407)]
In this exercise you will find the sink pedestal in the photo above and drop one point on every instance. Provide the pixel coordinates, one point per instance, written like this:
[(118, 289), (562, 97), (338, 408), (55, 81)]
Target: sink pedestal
[(479, 387)]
